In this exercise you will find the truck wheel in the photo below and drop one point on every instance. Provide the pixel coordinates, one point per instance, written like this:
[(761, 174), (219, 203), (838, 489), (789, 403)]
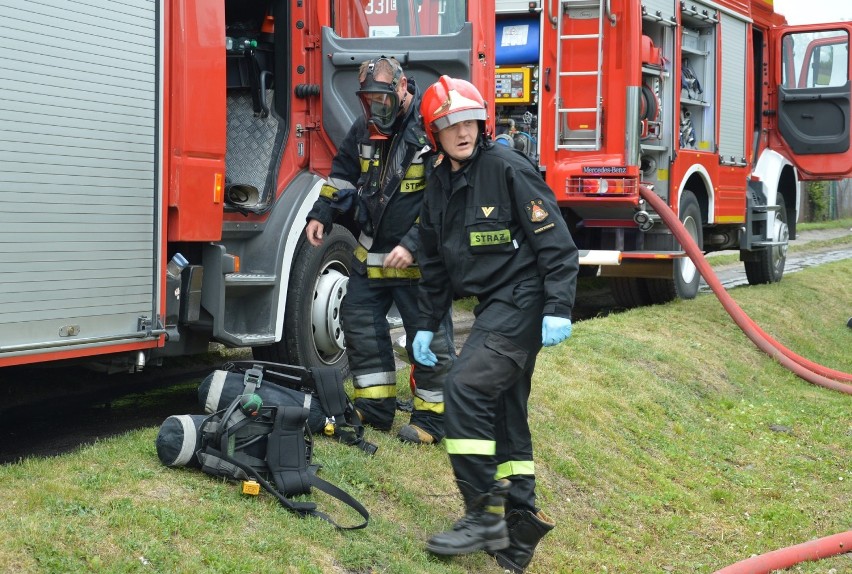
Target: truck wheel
[(685, 277), (628, 292), (659, 290), (767, 264), (313, 336)]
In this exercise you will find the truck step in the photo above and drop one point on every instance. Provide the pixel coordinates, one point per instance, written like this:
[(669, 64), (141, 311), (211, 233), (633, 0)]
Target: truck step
[(250, 280), (252, 339), (768, 243)]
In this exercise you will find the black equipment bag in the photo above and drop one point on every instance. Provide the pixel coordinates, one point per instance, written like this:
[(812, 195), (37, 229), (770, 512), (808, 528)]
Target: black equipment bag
[(271, 445), (330, 411)]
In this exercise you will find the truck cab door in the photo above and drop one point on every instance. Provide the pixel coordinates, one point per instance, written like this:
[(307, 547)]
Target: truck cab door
[(428, 37), (812, 75)]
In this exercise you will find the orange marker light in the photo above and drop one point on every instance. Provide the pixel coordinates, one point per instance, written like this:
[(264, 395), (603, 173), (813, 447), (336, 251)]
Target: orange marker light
[(218, 187)]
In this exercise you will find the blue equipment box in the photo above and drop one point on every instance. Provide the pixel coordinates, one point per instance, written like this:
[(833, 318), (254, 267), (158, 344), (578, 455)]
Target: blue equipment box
[(517, 41)]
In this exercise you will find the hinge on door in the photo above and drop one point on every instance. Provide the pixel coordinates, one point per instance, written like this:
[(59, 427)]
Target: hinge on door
[(312, 42)]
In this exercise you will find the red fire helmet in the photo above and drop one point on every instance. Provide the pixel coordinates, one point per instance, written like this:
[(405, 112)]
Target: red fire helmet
[(450, 101)]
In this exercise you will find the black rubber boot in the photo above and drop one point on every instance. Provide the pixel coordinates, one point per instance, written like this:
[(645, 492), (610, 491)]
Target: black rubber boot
[(525, 531), (481, 528), (376, 413)]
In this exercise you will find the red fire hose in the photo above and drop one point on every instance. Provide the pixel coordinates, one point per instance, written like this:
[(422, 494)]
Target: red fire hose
[(807, 370), (803, 368), (786, 557)]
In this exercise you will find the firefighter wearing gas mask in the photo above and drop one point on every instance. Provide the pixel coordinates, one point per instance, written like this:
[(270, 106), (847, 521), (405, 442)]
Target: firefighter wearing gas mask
[(376, 181), (490, 228)]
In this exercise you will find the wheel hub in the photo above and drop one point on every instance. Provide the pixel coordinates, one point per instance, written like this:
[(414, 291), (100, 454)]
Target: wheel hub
[(325, 312), (781, 235), (687, 266)]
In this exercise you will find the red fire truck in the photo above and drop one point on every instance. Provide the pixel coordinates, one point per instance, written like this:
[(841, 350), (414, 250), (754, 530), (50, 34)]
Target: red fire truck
[(717, 105), (158, 159)]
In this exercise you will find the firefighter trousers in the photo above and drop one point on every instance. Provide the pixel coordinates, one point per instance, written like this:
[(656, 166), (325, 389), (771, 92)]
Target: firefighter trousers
[(487, 391), (371, 358)]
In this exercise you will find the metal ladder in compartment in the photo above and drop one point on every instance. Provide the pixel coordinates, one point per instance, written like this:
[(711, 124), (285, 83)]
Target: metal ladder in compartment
[(583, 138)]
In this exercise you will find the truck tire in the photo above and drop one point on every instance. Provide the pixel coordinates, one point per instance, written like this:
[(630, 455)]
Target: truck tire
[(685, 277), (313, 336), (629, 292), (767, 264)]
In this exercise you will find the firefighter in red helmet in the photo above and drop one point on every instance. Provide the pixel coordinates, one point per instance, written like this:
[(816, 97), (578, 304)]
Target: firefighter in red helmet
[(490, 228)]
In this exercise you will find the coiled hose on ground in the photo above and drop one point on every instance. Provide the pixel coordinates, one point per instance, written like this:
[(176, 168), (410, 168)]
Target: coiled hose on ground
[(803, 368)]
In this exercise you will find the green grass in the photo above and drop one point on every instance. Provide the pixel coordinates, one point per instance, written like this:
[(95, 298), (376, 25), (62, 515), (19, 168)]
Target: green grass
[(845, 223), (666, 442)]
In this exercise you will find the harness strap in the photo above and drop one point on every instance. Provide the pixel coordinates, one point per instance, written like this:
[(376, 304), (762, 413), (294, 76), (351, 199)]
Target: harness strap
[(330, 391), (252, 379), (288, 456), (345, 426), (285, 451)]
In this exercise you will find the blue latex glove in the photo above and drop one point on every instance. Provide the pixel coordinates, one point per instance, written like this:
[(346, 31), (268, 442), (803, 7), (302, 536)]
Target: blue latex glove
[(420, 346), (342, 200), (554, 330)]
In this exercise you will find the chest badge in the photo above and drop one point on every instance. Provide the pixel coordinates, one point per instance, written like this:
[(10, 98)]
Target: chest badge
[(486, 211), (535, 211)]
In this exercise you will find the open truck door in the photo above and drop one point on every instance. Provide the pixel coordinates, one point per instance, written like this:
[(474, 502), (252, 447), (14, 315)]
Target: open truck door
[(812, 74), (428, 37)]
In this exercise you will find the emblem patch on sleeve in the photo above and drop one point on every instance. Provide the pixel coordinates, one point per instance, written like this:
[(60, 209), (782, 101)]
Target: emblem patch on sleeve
[(535, 211)]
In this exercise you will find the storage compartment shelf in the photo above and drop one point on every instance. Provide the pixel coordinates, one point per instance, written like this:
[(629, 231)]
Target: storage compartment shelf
[(651, 71)]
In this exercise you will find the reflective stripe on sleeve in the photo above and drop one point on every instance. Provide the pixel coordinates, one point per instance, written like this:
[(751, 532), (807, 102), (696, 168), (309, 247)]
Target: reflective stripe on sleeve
[(328, 191), (360, 253)]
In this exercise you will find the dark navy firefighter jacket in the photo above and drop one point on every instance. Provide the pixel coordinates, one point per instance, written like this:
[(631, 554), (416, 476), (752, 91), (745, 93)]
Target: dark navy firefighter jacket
[(492, 224), (386, 178)]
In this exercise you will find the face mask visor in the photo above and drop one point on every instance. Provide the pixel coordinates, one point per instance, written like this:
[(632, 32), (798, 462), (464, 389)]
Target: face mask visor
[(381, 107)]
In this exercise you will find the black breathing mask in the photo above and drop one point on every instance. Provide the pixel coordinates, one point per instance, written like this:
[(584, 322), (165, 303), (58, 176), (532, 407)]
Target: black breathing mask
[(380, 100)]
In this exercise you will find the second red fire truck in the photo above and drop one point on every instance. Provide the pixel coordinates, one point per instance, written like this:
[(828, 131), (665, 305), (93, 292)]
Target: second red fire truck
[(717, 106)]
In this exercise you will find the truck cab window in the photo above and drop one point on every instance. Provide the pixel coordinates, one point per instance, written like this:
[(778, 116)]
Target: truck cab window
[(816, 59)]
